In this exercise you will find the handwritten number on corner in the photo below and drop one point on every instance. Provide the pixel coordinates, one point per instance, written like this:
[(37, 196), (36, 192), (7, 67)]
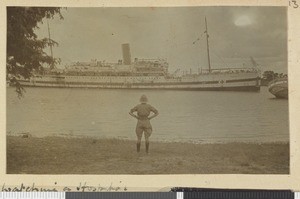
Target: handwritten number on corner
[(294, 4)]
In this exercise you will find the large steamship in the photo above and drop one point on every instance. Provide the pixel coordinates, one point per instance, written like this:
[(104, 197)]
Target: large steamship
[(145, 74)]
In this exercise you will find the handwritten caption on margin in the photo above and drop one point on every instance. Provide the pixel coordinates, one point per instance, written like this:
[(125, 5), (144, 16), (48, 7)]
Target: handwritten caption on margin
[(82, 187)]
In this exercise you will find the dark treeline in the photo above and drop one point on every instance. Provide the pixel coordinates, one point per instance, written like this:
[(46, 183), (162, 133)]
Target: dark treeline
[(269, 76)]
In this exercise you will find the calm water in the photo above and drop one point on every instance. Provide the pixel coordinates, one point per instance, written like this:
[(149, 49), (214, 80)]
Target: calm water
[(184, 115)]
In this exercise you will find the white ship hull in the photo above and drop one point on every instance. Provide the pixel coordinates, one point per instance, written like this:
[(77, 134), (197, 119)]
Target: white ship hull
[(247, 81), (279, 88)]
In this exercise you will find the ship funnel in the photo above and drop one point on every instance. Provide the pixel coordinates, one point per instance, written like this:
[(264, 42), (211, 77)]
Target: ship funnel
[(126, 54)]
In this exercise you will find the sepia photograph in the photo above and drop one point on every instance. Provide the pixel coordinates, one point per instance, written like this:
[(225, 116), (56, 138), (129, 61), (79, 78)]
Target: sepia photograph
[(147, 90)]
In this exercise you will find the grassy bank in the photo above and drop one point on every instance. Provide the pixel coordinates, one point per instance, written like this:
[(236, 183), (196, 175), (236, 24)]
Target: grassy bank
[(59, 155)]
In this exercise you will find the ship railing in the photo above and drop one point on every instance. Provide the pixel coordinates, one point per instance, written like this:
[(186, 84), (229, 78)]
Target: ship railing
[(281, 79), (235, 69), (230, 70), (153, 59)]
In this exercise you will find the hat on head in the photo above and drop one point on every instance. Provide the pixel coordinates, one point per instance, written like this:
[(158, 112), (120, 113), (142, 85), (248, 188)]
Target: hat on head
[(143, 99)]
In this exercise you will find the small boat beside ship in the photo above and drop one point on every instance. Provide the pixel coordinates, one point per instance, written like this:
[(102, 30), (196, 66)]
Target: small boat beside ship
[(279, 88)]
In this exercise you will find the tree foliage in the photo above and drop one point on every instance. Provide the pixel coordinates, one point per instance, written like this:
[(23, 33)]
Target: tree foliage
[(271, 75), (25, 52)]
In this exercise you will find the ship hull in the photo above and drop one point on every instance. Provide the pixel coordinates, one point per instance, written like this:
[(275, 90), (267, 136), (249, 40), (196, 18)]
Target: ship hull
[(207, 82), (212, 88), (279, 89)]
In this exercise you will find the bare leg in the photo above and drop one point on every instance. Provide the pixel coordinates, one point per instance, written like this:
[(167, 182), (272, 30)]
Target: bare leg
[(138, 144), (139, 134), (147, 144), (147, 136)]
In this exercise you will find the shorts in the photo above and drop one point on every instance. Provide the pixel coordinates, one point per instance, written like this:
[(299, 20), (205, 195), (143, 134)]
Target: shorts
[(143, 126)]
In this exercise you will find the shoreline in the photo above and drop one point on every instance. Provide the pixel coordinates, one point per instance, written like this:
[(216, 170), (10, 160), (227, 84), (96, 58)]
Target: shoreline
[(69, 155), (188, 141)]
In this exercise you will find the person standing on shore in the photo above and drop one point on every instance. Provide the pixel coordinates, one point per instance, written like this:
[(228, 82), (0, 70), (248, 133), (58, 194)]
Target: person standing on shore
[(143, 125)]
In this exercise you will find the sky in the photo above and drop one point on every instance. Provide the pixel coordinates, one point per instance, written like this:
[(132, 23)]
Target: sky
[(235, 34)]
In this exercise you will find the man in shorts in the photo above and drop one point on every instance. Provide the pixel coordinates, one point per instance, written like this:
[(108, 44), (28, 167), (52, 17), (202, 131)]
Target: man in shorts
[(143, 125)]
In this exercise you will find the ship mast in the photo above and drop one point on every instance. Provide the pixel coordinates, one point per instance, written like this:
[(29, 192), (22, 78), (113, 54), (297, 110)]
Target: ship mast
[(209, 68), (50, 44)]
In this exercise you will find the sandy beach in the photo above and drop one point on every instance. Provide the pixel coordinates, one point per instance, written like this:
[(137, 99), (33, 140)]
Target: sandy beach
[(63, 155)]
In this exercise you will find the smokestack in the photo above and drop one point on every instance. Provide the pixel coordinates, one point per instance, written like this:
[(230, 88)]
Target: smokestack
[(126, 54)]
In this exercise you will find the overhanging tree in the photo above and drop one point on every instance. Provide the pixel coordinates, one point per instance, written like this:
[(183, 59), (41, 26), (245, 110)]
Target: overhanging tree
[(25, 52)]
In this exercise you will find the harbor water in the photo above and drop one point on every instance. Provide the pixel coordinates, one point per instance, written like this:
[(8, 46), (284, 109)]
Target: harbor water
[(184, 116)]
